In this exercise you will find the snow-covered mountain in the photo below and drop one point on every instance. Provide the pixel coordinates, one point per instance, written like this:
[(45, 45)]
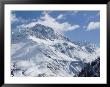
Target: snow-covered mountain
[(39, 51)]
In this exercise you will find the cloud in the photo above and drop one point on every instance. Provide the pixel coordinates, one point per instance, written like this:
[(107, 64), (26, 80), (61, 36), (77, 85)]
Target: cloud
[(29, 25), (15, 19), (75, 12), (71, 13), (60, 16), (68, 13), (46, 12), (93, 25), (49, 21)]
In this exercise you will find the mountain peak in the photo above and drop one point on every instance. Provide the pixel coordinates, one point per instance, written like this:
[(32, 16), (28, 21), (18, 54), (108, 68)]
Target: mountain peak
[(38, 31), (40, 51), (43, 32)]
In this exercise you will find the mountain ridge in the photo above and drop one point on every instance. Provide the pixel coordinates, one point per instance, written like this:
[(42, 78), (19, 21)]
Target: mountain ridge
[(40, 51)]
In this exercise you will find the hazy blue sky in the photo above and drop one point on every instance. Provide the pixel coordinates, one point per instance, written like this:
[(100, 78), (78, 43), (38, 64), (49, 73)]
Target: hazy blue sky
[(77, 25)]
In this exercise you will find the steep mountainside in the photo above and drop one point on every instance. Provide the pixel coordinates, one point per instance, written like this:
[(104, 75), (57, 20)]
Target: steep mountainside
[(39, 51)]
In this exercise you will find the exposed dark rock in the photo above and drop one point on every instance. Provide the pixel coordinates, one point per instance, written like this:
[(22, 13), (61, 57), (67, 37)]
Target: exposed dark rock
[(91, 69)]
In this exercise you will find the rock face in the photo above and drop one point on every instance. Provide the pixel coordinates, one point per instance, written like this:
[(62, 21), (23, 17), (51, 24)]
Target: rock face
[(38, 31), (91, 69), (40, 52)]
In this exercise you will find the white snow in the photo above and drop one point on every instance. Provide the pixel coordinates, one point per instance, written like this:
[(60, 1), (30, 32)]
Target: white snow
[(33, 38), (40, 57)]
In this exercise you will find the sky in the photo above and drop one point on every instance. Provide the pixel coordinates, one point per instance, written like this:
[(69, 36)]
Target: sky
[(76, 25)]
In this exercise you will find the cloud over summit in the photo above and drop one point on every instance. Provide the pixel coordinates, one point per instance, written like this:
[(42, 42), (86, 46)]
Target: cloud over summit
[(47, 20)]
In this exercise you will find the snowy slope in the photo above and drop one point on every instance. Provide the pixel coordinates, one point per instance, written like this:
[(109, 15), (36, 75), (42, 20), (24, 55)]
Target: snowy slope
[(39, 51)]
